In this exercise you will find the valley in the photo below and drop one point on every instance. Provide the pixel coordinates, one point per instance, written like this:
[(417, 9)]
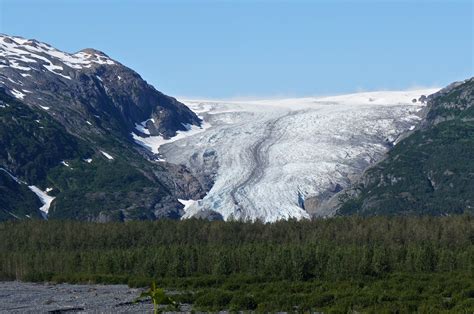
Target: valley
[(236, 156), (285, 158)]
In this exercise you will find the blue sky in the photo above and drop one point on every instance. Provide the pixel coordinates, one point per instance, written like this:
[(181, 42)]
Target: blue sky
[(229, 49)]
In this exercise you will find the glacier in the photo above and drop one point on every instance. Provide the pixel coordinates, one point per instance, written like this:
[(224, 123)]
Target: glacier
[(264, 158)]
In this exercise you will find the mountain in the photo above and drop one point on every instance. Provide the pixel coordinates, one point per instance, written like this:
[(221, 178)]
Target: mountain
[(87, 92), (430, 171), (84, 137), (66, 132), (277, 159)]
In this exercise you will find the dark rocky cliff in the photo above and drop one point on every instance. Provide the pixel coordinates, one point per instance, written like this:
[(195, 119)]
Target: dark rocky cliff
[(66, 124)]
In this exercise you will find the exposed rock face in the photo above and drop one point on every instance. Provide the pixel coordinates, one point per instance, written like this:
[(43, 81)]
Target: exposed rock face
[(87, 92), (451, 102), (311, 204), (66, 124), (431, 171)]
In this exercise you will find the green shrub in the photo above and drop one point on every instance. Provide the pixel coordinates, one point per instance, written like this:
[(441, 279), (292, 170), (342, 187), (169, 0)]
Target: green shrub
[(214, 300), (241, 302)]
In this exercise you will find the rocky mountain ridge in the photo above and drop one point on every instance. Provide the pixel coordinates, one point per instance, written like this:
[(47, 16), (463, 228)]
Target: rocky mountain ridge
[(67, 125), (429, 172), (87, 92)]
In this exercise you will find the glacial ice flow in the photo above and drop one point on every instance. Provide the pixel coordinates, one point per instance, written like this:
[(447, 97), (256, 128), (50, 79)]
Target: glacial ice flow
[(266, 157)]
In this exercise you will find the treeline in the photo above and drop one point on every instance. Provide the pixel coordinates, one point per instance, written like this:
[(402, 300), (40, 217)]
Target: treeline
[(234, 258), (332, 248)]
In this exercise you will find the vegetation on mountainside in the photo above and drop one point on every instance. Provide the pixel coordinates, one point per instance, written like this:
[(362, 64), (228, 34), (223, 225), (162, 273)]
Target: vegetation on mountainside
[(33, 142), (88, 187), (431, 172), (340, 264), (16, 197)]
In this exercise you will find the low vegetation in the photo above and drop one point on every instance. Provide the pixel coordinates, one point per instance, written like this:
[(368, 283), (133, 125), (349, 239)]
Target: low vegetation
[(430, 172), (87, 185), (373, 264)]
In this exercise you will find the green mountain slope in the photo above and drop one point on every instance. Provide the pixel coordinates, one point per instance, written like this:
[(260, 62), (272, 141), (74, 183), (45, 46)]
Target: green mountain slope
[(17, 201), (429, 172), (67, 123), (86, 183)]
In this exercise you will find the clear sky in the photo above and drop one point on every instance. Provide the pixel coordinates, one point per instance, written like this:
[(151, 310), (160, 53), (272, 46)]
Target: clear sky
[(226, 49)]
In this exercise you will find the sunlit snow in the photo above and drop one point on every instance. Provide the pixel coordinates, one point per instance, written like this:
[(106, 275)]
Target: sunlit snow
[(186, 203), (44, 197), (18, 94), (108, 156), (153, 143), (31, 51), (273, 154)]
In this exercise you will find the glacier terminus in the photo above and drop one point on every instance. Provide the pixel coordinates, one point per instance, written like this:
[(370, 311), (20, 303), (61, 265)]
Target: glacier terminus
[(285, 158)]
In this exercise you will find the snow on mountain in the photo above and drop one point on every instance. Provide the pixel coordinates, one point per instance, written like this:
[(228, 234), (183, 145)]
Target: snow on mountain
[(153, 143), (266, 158), (14, 49), (46, 199), (70, 106), (108, 156), (86, 86)]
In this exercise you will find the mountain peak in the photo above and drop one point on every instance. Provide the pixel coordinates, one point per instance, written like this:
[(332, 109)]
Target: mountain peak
[(93, 51), (24, 54)]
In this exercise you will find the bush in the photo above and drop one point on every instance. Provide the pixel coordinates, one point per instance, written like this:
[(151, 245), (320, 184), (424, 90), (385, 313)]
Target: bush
[(214, 300), (242, 302)]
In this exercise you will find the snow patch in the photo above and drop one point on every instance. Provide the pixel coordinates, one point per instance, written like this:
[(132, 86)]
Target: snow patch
[(44, 197), (186, 203), (153, 143), (16, 65), (18, 94), (141, 127), (52, 68), (107, 155), (24, 50)]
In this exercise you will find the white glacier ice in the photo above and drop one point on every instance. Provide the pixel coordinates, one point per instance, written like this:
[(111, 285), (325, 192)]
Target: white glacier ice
[(271, 155)]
